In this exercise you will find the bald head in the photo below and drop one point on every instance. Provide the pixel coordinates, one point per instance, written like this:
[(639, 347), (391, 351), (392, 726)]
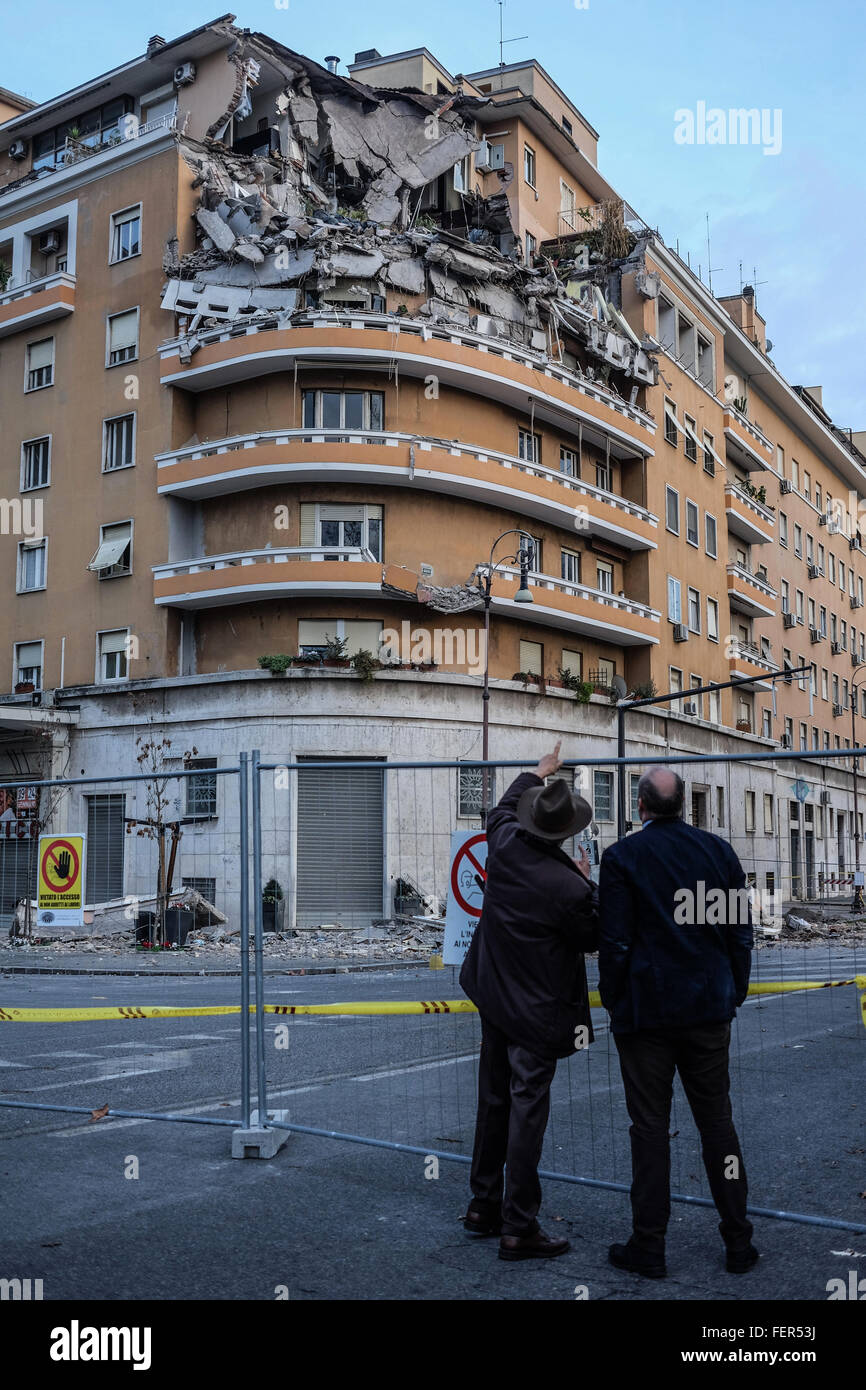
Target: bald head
[(660, 794)]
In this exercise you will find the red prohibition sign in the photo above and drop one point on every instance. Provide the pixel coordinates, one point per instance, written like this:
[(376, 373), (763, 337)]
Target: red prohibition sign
[(465, 851), (50, 856)]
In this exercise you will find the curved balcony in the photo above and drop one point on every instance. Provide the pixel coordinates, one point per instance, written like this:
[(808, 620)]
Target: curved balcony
[(245, 576), (750, 593), (38, 302), (595, 613), (745, 659), (751, 447), (266, 458), (747, 517), (457, 357)]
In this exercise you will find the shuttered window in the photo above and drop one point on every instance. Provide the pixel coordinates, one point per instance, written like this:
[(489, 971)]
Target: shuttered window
[(19, 862), (122, 337), (105, 842), (340, 845)]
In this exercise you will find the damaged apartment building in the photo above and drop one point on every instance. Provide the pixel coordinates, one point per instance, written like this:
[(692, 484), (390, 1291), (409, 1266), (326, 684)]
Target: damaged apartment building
[(297, 348)]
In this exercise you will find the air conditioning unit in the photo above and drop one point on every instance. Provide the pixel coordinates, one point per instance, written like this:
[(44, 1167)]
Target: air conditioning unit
[(49, 242), (825, 798), (855, 660), (690, 707), (815, 634), (854, 542), (184, 73), (822, 520), (785, 485), (833, 527), (837, 710), (836, 648), (814, 571), (18, 149), (800, 620), (482, 158), (681, 632), (788, 620), (785, 740)]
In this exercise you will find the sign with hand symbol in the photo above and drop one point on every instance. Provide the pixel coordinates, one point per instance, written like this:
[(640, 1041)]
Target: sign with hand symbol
[(60, 891)]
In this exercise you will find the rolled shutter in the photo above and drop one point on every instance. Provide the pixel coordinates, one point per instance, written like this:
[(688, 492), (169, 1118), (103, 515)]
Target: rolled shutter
[(340, 846)]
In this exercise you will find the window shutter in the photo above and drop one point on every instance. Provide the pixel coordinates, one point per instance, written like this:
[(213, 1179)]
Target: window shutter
[(113, 641), (341, 511), (313, 632), (40, 354), (308, 524), (362, 636), (123, 331), (29, 654)]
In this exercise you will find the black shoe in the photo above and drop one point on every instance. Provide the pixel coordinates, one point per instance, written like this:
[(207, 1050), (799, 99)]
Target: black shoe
[(627, 1257), (741, 1261), (538, 1246), (479, 1223)]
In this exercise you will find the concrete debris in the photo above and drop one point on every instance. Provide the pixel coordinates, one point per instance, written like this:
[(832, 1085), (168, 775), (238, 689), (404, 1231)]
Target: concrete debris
[(332, 218)]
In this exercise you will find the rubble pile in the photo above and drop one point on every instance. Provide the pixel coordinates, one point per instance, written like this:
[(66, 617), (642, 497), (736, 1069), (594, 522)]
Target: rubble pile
[(810, 927), (330, 219)]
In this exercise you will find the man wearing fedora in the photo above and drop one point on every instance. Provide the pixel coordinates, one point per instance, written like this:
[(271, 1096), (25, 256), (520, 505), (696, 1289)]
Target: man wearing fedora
[(525, 972)]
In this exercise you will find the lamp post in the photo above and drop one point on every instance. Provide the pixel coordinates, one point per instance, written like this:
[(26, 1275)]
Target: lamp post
[(624, 705), (522, 596)]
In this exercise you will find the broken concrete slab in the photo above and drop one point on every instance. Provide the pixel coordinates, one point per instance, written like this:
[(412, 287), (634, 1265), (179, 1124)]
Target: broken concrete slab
[(218, 231)]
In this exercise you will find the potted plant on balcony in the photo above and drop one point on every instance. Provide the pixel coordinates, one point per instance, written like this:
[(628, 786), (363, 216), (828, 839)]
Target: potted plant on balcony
[(366, 665), (336, 652), (277, 665), (744, 726), (24, 688)]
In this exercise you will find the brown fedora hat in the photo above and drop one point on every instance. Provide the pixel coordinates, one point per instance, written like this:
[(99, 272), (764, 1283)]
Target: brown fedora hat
[(553, 812)]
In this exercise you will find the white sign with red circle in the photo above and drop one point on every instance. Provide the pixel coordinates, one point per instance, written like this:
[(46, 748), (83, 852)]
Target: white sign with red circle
[(60, 890), (465, 892)]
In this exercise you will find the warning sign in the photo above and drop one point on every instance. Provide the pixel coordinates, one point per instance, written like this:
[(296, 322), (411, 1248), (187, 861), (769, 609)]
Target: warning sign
[(466, 892), (60, 891)]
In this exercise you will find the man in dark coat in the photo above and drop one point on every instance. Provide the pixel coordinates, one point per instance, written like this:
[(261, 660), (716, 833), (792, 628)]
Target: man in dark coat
[(674, 961), (525, 972)]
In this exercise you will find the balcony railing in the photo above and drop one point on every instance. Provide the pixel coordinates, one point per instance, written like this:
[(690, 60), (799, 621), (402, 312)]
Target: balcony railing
[(748, 426), (45, 282), (81, 153), (758, 581), (268, 555), (420, 443), (396, 326), (743, 495), (747, 651), (618, 602)]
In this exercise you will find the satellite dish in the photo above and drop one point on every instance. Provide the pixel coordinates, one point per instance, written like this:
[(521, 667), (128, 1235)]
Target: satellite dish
[(619, 687)]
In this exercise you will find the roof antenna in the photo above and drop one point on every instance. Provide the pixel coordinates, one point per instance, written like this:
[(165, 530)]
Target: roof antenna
[(710, 266), (502, 41)]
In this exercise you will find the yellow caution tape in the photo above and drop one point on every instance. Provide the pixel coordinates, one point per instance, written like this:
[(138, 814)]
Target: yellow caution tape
[(372, 1008)]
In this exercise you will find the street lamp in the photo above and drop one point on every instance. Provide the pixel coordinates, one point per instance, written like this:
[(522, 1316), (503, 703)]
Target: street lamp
[(522, 596)]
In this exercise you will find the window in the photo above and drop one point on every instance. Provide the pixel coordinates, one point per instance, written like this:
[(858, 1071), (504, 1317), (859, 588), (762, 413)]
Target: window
[(798, 604), (675, 676), (795, 474), (566, 204), (709, 455), (529, 165), (807, 486), (528, 446), (671, 431), (35, 463), (568, 462), (344, 525), (810, 549), (122, 338), (706, 374), (694, 611), (566, 125), (602, 477), (358, 634), (672, 510), (28, 664), (531, 246), (767, 723), (822, 621), (40, 364), (125, 234), (96, 127), (604, 576), (667, 323), (571, 566), (113, 558), (818, 495), (695, 683), (824, 684), (461, 175), (786, 596), (831, 572), (768, 814), (349, 410), (118, 442), (804, 736), (634, 783), (691, 443), (798, 542), (691, 523), (750, 812), (720, 805), (675, 608), (201, 791), (713, 619), (531, 658), (783, 530), (470, 789), (811, 608), (780, 461), (31, 565), (113, 649), (603, 795), (711, 535), (572, 662)]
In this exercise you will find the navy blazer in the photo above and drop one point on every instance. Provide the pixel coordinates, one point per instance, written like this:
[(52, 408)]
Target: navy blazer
[(524, 968), (657, 968)]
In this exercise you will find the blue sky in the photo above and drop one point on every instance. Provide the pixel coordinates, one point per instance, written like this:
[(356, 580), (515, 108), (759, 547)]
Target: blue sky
[(798, 216)]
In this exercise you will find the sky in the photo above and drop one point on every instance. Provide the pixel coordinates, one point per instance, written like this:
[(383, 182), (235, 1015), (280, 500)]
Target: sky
[(794, 218)]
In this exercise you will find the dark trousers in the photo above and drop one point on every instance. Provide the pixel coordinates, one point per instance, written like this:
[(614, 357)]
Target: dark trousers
[(513, 1108), (648, 1061)]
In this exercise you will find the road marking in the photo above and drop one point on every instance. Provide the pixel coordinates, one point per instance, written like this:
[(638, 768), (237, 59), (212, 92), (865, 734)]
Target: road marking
[(12, 1064), (424, 1066)]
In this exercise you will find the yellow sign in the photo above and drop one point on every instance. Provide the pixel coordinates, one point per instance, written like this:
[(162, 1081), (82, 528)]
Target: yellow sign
[(60, 890)]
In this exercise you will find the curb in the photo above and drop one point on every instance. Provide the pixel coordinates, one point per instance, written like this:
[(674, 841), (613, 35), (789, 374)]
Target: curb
[(348, 969)]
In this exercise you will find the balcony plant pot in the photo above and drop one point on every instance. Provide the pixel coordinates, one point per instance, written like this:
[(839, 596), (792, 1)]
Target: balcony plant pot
[(305, 661), (343, 662), (743, 726), (24, 688), (277, 665)]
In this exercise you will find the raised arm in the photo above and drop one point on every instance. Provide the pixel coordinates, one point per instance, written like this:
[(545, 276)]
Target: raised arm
[(505, 812)]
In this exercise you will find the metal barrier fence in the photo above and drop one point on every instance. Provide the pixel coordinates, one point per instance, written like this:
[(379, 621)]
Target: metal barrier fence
[(348, 862)]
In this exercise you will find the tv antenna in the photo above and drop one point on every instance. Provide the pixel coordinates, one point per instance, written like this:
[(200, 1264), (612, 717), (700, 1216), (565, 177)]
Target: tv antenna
[(504, 41), (710, 266)]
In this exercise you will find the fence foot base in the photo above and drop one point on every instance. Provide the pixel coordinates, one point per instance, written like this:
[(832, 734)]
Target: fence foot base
[(257, 1143)]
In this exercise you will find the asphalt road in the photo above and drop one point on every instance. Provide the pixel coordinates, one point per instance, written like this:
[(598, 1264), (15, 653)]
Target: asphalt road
[(337, 1220)]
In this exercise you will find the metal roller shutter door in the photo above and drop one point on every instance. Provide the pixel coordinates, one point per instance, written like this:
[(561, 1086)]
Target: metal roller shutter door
[(340, 846), (105, 846)]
